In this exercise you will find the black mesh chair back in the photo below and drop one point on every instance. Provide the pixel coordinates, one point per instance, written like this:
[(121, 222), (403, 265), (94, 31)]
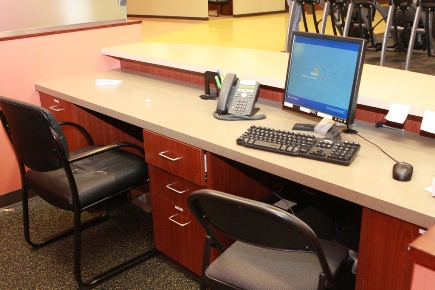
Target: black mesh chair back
[(255, 225), (72, 181)]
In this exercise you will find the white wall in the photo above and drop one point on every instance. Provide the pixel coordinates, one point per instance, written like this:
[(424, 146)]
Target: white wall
[(241, 7), (169, 8), (30, 14), (198, 8)]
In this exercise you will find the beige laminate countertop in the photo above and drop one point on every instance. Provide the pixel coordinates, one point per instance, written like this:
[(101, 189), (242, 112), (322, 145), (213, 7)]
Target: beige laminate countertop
[(175, 110), (380, 86)]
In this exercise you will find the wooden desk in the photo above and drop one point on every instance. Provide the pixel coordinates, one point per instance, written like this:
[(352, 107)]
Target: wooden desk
[(393, 211), (380, 86)]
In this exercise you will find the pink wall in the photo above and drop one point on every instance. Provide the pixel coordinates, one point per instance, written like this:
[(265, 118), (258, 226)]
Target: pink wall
[(26, 61), (423, 278)]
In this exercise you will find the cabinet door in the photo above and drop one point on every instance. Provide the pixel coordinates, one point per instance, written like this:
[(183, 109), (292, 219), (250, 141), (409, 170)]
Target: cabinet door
[(383, 257), (62, 111)]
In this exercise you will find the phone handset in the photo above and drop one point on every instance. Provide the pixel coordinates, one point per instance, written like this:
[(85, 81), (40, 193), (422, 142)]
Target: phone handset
[(226, 93), (237, 99)]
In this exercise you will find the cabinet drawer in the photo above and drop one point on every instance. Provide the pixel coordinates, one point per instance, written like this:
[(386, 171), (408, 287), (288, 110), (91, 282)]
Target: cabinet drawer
[(171, 187), (62, 110), (175, 157), (177, 233)]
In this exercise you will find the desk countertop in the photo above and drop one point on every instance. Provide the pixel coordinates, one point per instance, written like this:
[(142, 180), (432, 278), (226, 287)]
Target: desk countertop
[(380, 86), (175, 110)]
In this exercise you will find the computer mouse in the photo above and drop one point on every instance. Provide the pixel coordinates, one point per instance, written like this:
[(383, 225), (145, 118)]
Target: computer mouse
[(402, 171)]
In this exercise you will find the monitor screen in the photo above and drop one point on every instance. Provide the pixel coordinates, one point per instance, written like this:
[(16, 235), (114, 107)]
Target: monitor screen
[(323, 75)]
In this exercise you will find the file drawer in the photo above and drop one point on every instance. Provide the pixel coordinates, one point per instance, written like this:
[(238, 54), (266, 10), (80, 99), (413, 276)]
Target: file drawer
[(171, 187), (175, 157), (177, 233)]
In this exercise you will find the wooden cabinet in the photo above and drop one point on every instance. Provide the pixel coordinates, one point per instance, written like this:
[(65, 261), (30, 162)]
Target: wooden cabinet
[(177, 233), (176, 170), (62, 111), (103, 129), (384, 261)]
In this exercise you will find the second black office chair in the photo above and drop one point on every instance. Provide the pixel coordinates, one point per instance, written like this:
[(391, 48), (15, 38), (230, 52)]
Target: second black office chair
[(73, 181), (273, 249)]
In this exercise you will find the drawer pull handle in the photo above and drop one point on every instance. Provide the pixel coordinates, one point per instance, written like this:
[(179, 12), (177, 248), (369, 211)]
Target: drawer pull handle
[(180, 224), (173, 189), (169, 158), (55, 109)]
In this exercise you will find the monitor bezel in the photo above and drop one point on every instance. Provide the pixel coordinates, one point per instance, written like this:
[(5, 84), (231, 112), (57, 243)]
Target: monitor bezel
[(362, 43)]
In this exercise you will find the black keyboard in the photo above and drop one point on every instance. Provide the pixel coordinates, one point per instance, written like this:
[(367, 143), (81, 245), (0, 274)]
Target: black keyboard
[(299, 144)]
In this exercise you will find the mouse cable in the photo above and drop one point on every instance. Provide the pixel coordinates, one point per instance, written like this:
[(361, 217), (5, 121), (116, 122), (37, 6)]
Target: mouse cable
[(376, 146)]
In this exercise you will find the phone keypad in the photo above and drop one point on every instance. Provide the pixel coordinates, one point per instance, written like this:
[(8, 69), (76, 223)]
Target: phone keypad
[(242, 105)]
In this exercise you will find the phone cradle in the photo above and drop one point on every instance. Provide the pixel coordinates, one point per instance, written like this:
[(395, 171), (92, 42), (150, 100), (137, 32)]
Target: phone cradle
[(229, 117), (209, 76)]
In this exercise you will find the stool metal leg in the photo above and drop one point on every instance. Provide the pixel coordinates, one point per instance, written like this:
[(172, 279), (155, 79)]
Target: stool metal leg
[(412, 37), (386, 33), (325, 17), (290, 25), (348, 17)]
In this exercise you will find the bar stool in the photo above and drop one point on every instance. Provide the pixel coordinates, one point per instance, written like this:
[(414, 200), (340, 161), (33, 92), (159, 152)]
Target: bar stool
[(427, 6), (419, 26)]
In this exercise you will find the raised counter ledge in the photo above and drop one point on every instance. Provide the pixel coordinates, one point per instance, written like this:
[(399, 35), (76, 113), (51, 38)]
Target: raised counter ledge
[(380, 86)]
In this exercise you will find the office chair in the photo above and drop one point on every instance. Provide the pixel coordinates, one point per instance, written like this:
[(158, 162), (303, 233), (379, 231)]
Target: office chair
[(73, 181), (273, 249), (219, 4)]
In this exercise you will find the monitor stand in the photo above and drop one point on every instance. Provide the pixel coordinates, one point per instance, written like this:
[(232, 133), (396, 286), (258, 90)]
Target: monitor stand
[(329, 131)]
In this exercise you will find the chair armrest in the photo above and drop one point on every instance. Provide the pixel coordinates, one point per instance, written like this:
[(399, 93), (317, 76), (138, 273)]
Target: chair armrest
[(81, 129), (105, 148)]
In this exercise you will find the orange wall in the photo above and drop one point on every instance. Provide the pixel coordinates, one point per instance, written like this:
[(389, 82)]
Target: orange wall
[(26, 61)]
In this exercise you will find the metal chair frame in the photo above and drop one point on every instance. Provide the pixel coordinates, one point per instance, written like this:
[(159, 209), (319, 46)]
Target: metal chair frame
[(78, 227)]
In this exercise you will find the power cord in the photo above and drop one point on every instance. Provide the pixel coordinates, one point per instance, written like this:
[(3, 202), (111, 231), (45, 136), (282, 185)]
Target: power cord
[(282, 199)]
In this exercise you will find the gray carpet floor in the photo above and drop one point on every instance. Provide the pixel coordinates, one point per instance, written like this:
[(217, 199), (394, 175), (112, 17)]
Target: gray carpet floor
[(420, 62), (126, 234)]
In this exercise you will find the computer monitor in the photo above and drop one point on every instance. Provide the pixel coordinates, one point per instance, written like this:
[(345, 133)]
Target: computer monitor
[(323, 75)]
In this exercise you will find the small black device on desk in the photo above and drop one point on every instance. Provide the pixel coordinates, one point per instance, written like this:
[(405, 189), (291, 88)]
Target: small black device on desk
[(299, 144)]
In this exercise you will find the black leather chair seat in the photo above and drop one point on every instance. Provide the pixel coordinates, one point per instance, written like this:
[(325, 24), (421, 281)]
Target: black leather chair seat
[(96, 177)]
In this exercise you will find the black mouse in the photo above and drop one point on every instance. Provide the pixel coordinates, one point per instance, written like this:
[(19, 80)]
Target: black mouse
[(402, 171)]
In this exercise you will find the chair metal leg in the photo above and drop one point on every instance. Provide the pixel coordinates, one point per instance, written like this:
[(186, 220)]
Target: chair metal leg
[(54, 237), (206, 261), (107, 274), (76, 230)]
